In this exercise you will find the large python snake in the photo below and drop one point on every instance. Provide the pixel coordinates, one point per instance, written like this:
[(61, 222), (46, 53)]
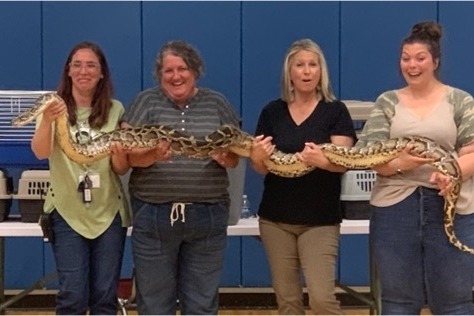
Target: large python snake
[(237, 141)]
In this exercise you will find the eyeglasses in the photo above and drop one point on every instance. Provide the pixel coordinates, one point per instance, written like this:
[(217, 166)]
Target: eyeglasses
[(89, 66)]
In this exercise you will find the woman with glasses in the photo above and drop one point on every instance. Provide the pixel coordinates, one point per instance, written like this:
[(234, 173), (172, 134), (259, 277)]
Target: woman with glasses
[(86, 204)]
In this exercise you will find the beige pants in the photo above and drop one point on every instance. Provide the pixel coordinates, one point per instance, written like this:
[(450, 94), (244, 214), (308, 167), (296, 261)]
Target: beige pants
[(292, 248)]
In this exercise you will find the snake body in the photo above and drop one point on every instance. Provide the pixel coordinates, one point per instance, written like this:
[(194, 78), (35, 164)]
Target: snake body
[(237, 141)]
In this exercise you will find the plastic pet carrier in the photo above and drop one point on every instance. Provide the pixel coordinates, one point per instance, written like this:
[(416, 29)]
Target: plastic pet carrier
[(356, 188), (32, 188)]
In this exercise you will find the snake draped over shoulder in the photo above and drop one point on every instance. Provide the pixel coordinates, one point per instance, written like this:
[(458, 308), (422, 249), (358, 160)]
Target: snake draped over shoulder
[(235, 140)]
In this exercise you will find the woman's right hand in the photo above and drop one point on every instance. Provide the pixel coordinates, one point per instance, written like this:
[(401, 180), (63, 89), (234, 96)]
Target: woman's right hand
[(163, 151), (42, 141), (262, 148), (407, 161), (404, 162)]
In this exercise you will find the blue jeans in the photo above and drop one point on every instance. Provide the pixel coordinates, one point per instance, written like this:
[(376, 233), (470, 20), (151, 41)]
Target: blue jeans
[(88, 269), (416, 263), (182, 261)]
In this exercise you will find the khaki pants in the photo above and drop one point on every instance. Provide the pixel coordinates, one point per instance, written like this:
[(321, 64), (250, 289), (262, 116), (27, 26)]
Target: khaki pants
[(292, 248)]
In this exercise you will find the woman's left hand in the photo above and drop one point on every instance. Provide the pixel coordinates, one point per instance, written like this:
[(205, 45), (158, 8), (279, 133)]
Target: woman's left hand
[(443, 182)]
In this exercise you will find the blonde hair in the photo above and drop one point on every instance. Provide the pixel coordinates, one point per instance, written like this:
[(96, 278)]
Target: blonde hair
[(324, 84)]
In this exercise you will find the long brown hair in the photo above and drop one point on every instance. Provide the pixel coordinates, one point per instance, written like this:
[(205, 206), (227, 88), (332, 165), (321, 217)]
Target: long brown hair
[(102, 98)]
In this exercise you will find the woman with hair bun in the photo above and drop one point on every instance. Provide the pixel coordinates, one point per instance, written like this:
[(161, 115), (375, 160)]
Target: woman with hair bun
[(416, 262)]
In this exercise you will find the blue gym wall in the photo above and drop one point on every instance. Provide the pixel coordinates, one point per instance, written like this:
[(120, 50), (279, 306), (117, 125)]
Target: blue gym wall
[(243, 45)]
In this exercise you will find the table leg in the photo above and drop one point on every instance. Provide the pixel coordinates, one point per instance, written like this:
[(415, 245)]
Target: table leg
[(4, 304), (37, 285), (375, 293), (2, 272)]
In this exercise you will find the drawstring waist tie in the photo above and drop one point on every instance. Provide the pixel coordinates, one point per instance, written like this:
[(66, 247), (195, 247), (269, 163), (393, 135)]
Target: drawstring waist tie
[(177, 209)]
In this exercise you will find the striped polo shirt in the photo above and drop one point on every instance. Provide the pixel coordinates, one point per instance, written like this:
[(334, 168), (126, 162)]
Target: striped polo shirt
[(182, 179)]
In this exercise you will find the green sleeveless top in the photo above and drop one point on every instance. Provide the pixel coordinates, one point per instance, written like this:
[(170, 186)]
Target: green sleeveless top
[(92, 219)]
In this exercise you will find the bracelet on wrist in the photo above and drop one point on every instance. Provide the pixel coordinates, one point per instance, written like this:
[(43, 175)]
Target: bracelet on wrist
[(398, 170)]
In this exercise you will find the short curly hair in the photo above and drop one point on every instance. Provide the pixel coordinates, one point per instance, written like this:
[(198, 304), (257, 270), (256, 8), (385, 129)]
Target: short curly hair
[(181, 49)]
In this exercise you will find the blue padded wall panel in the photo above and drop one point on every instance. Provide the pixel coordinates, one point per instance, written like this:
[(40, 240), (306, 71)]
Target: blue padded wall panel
[(115, 26), (354, 260), (24, 262), (20, 155), (268, 29), (371, 34), (255, 268), (213, 28), (20, 38), (231, 275), (457, 44)]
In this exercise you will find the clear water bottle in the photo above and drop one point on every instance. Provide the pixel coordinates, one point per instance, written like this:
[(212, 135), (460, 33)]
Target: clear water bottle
[(245, 209)]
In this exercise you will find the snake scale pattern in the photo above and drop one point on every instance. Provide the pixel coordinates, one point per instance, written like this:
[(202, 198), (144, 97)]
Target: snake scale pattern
[(239, 142)]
